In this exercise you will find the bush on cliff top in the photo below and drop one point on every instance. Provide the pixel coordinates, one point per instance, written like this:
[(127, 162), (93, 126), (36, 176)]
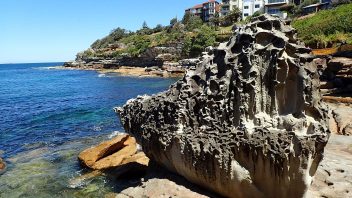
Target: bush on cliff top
[(326, 27), (192, 33)]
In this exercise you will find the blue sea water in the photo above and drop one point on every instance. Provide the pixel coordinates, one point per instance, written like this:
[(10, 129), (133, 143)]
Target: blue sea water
[(47, 115)]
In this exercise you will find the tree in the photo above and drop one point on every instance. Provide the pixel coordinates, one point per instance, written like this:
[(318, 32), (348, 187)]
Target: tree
[(158, 28), (233, 16), (194, 46), (186, 18), (173, 21), (145, 25), (194, 22), (187, 46), (206, 37), (215, 21), (114, 36)]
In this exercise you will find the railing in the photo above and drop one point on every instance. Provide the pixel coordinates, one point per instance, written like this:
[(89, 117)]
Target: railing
[(276, 1)]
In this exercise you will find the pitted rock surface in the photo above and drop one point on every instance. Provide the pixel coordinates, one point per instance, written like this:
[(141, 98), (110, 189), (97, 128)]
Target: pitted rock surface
[(246, 122)]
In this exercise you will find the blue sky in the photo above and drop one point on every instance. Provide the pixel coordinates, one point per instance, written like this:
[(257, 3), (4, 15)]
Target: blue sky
[(55, 30)]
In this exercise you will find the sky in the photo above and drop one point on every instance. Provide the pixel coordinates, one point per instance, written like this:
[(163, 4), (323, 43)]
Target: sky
[(55, 30)]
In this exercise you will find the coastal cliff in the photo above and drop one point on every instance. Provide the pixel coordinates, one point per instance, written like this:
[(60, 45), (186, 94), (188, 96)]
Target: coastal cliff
[(246, 122)]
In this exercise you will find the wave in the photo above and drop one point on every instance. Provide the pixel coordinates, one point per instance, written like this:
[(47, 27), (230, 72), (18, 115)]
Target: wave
[(106, 75), (115, 133), (49, 68)]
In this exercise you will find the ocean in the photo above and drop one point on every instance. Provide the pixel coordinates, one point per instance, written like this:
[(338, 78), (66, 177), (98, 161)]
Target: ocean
[(48, 115)]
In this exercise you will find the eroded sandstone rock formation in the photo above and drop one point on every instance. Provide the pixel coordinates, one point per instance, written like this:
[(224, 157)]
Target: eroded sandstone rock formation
[(246, 122)]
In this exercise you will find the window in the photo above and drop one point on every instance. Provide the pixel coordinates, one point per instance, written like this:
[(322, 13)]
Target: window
[(273, 11), (256, 5), (246, 7), (245, 14), (276, 1)]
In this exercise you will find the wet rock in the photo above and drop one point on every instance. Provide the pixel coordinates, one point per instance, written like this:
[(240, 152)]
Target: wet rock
[(80, 180), (2, 166), (246, 122)]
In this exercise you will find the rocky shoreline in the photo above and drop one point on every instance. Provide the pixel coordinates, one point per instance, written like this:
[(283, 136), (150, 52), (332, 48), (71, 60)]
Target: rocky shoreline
[(158, 64), (246, 120), (168, 69)]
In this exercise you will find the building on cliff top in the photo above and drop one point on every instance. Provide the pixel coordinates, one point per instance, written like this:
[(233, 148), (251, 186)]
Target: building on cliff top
[(229, 5), (206, 10), (209, 9), (250, 7)]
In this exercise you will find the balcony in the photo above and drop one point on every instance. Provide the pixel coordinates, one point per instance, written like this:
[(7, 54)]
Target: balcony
[(271, 2)]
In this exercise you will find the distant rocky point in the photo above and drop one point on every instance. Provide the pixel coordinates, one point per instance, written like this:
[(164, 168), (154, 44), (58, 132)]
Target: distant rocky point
[(157, 61)]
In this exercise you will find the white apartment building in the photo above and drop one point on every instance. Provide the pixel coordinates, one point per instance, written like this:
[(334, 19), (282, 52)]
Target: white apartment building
[(273, 7), (251, 6), (229, 5)]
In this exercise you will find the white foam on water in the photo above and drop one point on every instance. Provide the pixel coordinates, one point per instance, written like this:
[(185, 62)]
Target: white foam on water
[(115, 133), (49, 68)]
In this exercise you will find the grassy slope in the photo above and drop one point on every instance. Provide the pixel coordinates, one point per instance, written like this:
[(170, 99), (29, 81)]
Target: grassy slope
[(326, 28)]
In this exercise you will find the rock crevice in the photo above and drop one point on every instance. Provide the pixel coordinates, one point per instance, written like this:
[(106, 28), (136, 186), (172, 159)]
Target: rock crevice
[(246, 122)]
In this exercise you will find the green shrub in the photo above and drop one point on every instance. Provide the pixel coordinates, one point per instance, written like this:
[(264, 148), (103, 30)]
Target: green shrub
[(194, 46), (324, 27), (193, 22), (114, 36)]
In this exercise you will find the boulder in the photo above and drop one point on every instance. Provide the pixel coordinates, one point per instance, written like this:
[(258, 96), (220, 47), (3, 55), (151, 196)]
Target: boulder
[(116, 159), (2, 166), (139, 158), (248, 121), (166, 57), (343, 120), (189, 62), (109, 153)]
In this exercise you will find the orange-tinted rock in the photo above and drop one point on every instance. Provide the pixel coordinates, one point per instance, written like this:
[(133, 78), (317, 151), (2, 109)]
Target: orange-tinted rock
[(116, 159), (139, 158), (2, 166), (90, 156)]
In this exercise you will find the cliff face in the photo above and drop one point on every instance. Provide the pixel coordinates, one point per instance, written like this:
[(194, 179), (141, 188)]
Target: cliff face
[(246, 122)]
